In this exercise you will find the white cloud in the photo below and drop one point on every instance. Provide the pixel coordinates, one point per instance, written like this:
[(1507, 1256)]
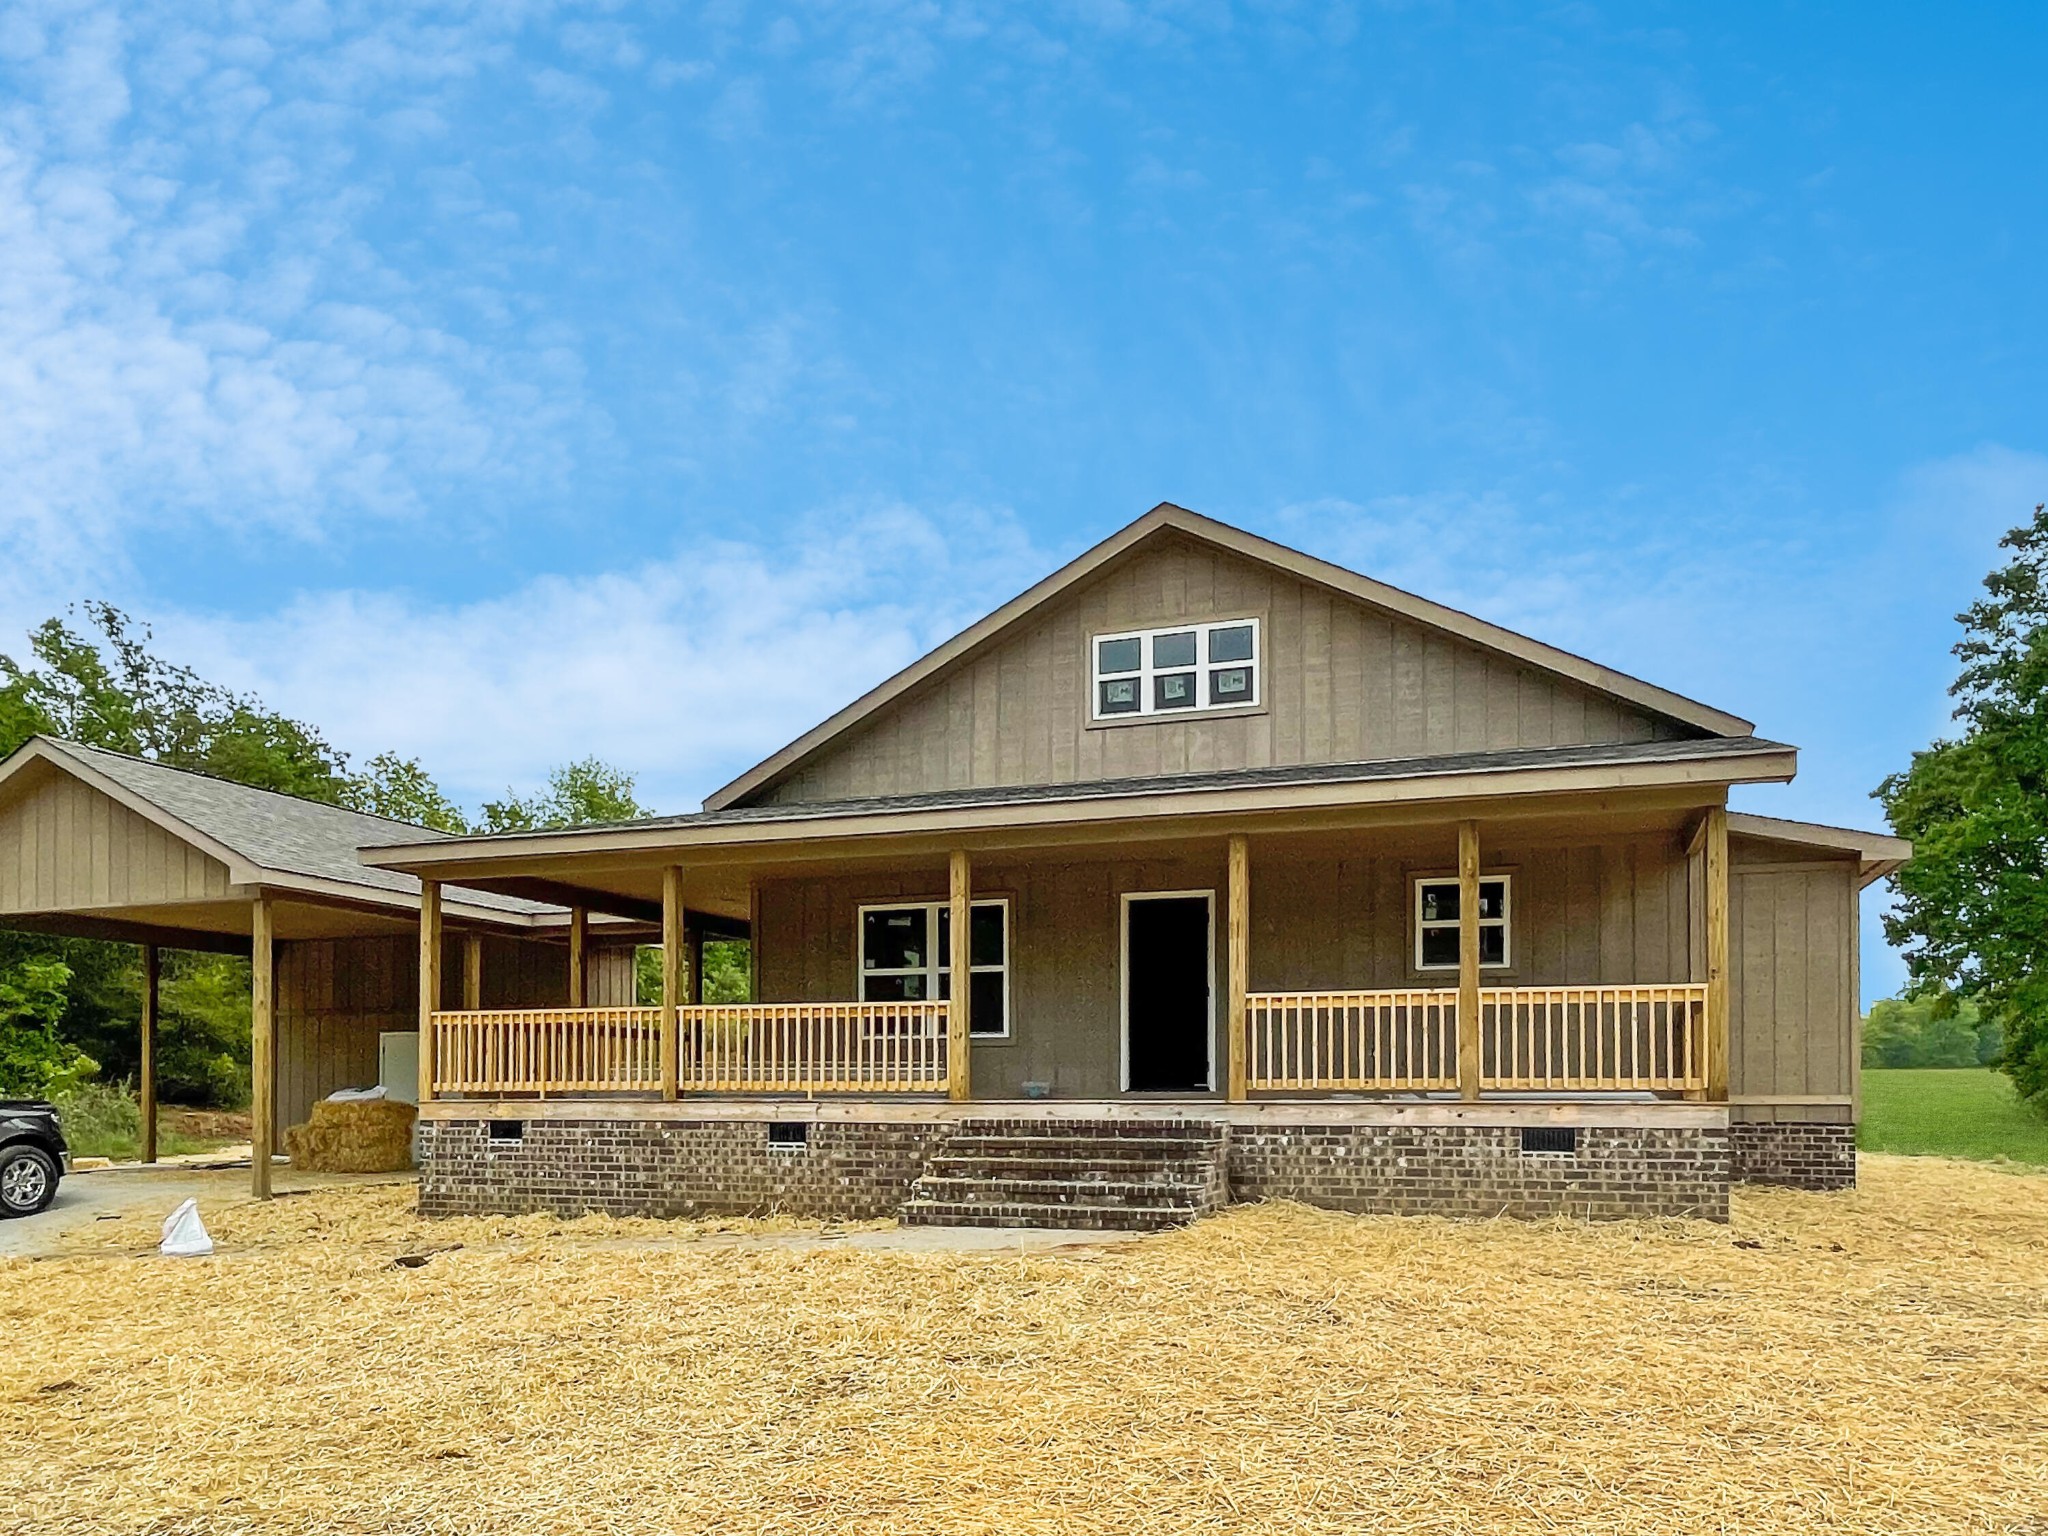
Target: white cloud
[(684, 670), (191, 334)]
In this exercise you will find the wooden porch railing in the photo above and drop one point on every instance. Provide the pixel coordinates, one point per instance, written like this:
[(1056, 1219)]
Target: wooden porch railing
[(1389, 1041), (814, 1048), (548, 1050), (743, 1048), (1576, 1038), (1580, 1039)]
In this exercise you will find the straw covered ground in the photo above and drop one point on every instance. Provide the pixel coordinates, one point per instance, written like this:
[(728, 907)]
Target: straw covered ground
[(1873, 1362)]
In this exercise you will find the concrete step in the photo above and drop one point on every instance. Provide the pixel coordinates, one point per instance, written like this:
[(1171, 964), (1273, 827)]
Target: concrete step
[(1101, 1149), (1193, 1195), (1099, 1218), (1060, 1165)]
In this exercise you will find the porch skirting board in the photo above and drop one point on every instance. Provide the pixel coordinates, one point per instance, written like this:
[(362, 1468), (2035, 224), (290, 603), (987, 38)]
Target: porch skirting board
[(625, 1163), (1795, 1154)]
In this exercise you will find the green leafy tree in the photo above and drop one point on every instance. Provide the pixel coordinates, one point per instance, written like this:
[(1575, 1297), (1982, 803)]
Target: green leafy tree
[(1972, 906), (579, 794), (1930, 1030), (34, 1060), (400, 788), (728, 973)]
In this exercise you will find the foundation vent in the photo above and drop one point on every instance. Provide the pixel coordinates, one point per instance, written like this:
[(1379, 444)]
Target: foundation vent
[(789, 1133), (1550, 1138)]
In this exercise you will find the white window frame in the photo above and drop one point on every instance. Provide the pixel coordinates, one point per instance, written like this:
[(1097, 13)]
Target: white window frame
[(941, 963), (1202, 668), (1505, 922)]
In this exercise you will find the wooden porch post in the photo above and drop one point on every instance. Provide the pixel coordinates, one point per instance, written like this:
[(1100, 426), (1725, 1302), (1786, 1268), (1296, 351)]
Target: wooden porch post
[(1240, 905), (430, 981), (149, 1008), (579, 943), (472, 971), (959, 1013), (262, 1046), (1716, 853), (1469, 1053), (672, 980)]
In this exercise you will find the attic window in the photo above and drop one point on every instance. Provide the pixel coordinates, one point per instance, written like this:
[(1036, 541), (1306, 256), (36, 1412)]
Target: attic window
[(1172, 671)]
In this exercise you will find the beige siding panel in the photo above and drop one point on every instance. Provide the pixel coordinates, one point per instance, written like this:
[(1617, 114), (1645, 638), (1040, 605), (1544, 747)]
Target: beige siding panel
[(64, 846), (1342, 682), (1332, 913), (1793, 1003)]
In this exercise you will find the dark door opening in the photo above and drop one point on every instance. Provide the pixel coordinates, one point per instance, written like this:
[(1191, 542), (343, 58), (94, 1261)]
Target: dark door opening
[(1166, 994)]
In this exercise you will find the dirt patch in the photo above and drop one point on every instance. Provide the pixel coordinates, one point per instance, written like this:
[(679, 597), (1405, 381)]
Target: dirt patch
[(1832, 1363)]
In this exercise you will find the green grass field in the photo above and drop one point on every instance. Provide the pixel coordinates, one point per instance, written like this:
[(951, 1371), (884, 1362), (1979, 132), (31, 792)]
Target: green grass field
[(1949, 1112)]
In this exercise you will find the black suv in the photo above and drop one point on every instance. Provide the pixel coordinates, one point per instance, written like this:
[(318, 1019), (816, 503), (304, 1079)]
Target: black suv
[(33, 1156)]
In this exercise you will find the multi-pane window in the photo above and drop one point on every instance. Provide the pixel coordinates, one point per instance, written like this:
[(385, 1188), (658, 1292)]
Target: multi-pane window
[(1436, 923), (906, 955), (1167, 671)]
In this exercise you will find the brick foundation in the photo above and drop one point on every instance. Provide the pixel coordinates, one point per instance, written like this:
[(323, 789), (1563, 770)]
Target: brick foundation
[(1482, 1170), (851, 1169), (622, 1167), (1798, 1155)]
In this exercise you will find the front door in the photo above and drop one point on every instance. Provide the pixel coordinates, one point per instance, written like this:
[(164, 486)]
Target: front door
[(1168, 960)]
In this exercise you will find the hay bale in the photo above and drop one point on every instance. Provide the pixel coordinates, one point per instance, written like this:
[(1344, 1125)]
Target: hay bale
[(354, 1136)]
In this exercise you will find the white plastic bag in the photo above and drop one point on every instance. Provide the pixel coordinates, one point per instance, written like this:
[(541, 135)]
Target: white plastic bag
[(185, 1235), (356, 1095)]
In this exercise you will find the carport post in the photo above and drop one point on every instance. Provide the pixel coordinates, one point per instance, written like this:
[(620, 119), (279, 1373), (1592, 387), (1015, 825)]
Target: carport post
[(149, 990), (262, 1046)]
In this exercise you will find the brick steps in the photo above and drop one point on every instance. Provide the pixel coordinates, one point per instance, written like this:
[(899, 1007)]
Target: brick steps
[(1093, 1175)]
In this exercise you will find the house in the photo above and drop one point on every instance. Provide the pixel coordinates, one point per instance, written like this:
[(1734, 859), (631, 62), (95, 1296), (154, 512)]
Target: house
[(1266, 879)]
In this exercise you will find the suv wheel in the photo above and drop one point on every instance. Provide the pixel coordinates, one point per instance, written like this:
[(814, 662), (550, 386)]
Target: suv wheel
[(28, 1181)]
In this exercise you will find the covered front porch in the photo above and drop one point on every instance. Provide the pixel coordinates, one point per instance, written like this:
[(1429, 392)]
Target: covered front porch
[(1539, 951)]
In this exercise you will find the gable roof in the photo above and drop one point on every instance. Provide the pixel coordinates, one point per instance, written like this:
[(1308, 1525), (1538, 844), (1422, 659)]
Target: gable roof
[(1165, 518), (264, 837)]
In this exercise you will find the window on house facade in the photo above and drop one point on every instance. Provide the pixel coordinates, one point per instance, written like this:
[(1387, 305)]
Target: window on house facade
[(1169, 671), (906, 955), (1436, 923)]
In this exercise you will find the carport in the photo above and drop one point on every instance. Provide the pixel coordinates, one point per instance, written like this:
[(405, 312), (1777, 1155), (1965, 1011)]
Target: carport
[(97, 845)]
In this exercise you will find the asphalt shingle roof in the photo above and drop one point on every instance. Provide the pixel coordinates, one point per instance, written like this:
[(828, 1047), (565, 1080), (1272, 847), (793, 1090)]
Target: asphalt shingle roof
[(276, 831)]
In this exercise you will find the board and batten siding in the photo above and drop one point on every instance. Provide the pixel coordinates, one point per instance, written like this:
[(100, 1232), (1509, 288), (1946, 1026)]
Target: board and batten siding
[(1793, 983), (1323, 916), (1340, 681), (64, 846)]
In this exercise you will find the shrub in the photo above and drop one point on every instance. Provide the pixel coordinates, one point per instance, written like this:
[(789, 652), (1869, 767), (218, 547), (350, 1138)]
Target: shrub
[(100, 1119)]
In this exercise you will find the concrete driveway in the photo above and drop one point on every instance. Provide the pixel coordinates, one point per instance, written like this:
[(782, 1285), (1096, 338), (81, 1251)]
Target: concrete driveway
[(137, 1189)]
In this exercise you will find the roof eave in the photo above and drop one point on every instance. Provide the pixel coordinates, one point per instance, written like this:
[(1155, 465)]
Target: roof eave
[(1768, 763)]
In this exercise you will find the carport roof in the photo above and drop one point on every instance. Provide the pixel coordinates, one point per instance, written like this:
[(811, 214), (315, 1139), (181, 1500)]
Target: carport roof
[(265, 838)]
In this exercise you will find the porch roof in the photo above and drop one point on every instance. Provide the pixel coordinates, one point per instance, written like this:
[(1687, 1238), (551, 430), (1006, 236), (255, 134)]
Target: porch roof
[(1706, 764)]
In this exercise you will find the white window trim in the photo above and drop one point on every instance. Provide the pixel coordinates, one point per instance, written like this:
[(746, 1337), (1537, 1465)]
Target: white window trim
[(941, 963), (1147, 709), (1505, 922)]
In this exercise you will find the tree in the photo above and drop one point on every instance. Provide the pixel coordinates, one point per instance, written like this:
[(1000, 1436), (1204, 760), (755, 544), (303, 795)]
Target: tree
[(34, 1061), (1972, 906), (1929, 1030), (580, 794)]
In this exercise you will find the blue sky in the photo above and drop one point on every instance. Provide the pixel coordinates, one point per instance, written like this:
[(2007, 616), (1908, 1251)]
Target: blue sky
[(501, 383)]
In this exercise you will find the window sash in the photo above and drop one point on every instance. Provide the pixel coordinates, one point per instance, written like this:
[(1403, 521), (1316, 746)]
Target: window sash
[(937, 974), (1145, 676), (1503, 923)]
